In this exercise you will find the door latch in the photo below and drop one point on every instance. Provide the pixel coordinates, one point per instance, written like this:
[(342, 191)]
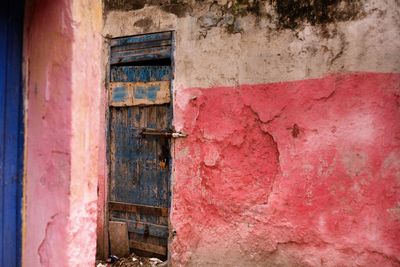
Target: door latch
[(162, 133), (178, 135)]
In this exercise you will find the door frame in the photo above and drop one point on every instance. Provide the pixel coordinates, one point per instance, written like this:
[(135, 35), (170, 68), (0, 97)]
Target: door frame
[(104, 249), (11, 132)]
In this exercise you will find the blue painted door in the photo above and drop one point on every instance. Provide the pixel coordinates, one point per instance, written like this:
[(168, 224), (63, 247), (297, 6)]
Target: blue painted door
[(140, 132), (11, 132)]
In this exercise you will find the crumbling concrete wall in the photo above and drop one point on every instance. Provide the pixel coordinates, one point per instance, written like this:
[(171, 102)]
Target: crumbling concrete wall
[(64, 111), (292, 111)]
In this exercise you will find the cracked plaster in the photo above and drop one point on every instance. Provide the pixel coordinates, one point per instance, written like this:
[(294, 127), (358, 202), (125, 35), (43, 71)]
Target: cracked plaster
[(277, 118)]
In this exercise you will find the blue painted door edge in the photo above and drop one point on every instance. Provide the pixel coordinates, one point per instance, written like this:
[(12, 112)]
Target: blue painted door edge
[(11, 132)]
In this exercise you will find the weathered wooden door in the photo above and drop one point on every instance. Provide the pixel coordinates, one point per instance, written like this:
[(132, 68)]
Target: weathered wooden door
[(139, 139)]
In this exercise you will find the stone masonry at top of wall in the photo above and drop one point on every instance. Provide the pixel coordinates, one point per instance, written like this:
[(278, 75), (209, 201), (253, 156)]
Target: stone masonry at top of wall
[(243, 42)]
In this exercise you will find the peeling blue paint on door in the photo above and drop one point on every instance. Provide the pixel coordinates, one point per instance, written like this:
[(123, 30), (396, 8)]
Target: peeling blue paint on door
[(120, 94), (141, 73), (140, 164), (149, 93), (11, 132)]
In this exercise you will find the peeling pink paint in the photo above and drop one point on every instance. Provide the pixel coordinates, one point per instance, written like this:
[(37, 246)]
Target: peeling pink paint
[(302, 173), (48, 41), (88, 128), (62, 48)]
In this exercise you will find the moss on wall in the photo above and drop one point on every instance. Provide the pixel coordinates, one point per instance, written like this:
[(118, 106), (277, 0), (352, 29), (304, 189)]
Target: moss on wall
[(179, 8), (293, 13), (285, 14)]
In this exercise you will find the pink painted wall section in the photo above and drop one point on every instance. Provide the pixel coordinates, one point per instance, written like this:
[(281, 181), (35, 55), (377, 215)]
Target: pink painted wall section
[(63, 130), (48, 55), (303, 173), (88, 128)]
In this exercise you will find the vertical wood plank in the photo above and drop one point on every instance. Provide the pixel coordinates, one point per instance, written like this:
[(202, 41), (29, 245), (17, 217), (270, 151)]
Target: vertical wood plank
[(119, 239)]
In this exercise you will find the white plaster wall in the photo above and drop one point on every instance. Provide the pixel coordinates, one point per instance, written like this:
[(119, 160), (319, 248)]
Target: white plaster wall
[(261, 54)]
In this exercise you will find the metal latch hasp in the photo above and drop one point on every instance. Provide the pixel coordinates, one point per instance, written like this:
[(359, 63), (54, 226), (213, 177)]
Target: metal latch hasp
[(161, 133)]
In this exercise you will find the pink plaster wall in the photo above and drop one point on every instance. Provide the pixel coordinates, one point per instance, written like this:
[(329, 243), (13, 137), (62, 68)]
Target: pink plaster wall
[(63, 119), (88, 128), (302, 173), (48, 54)]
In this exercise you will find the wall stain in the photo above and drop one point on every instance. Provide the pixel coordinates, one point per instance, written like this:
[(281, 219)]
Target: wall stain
[(295, 130), (145, 23), (285, 14), (179, 8), (293, 13)]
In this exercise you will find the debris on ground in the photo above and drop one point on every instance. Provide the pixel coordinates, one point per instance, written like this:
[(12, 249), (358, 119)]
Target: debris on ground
[(132, 261)]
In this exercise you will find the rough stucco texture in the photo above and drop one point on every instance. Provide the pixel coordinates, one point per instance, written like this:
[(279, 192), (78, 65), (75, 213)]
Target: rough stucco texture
[(302, 173), (292, 111), (48, 38), (63, 156), (88, 140)]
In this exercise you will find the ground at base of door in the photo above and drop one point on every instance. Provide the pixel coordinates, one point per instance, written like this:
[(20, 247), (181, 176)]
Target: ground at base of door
[(133, 261)]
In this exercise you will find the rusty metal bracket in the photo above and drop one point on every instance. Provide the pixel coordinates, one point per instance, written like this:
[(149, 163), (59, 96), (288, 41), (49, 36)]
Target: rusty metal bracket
[(178, 135), (162, 133)]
